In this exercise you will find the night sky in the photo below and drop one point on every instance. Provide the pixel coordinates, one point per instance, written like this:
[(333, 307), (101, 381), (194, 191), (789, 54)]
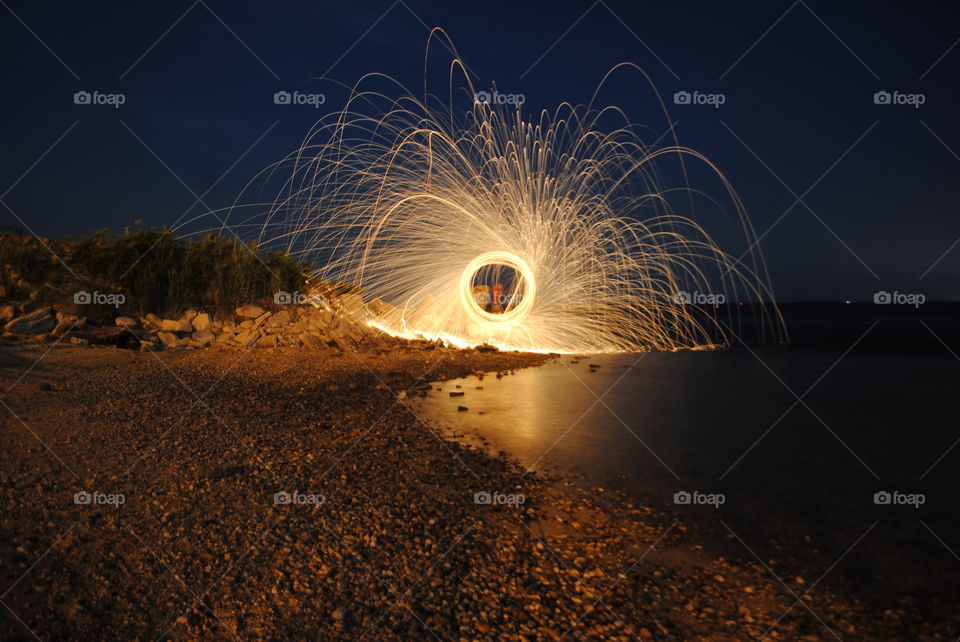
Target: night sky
[(860, 196)]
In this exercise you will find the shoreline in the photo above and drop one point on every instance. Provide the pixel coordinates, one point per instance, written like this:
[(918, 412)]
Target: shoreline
[(200, 442)]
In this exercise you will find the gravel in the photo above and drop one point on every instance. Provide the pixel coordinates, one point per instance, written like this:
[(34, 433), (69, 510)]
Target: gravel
[(275, 494)]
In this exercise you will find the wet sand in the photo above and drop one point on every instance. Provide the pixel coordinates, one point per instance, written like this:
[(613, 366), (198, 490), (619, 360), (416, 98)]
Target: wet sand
[(282, 494)]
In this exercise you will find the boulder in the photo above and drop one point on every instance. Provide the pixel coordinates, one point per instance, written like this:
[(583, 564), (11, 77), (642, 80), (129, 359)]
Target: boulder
[(169, 325), (125, 322), (188, 316), (268, 341), (278, 320), (166, 338), (248, 338), (38, 322), (153, 320), (260, 320), (77, 341), (249, 311), (203, 337), (201, 322)]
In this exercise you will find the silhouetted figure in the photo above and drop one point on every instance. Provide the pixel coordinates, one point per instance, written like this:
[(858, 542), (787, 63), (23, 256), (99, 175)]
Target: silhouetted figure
[(498, 299)]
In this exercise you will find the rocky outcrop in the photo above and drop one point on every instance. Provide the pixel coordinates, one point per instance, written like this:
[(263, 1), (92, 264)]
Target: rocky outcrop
[(339, 326)]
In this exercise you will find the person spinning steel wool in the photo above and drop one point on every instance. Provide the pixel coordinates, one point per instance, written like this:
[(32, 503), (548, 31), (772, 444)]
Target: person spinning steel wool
[(497, 304)]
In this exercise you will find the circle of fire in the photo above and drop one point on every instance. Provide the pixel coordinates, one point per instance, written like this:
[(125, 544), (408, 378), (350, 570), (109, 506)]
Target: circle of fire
[(526, 297)]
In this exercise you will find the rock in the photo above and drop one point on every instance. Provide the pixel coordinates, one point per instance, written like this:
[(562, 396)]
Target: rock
[(188, 316), (77, 341), (179, 344), (153, 320), (201, 322), (268, 341), (38, 322), (351, 302), (486, 347), (7, 313), (166, 338), (311, 341), (171, 325), (260, 320), (226, 340), (66, 322), (462, 409), (248, 338), (382, 308), (203, 337), (125, 322), (249, 311), (278, 320)]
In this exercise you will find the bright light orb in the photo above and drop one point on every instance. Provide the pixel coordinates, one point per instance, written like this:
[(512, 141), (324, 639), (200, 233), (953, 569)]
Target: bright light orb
[(526, 288)]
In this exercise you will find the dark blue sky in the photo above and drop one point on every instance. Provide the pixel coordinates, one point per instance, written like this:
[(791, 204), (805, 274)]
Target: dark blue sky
[(798, 80)]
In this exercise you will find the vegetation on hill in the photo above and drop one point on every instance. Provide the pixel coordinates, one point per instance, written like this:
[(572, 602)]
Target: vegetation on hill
[(154, 271)]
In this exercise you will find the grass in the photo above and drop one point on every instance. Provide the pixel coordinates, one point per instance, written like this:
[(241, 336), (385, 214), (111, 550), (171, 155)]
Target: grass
[(155, 271)]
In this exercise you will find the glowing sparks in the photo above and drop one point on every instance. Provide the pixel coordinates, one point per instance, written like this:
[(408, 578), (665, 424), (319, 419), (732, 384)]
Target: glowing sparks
[(411, 200)]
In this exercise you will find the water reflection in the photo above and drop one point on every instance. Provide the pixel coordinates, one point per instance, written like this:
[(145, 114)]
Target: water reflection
[(707, 417)]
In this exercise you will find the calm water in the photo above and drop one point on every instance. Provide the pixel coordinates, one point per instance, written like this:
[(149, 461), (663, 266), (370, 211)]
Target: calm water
[(661, 423), (682, 416)]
